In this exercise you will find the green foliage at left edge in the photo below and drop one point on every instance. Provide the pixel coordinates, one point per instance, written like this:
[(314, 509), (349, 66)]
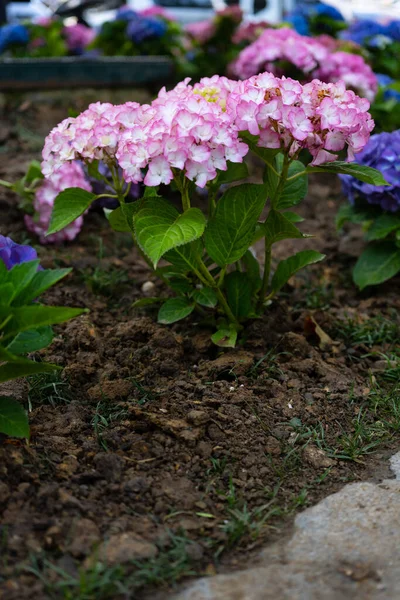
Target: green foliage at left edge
[(13, 418)]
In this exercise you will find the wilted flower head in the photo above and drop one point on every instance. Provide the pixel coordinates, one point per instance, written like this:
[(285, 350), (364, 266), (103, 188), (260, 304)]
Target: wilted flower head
[(13, 254), (313, 58), (69, 175), (382, 152)]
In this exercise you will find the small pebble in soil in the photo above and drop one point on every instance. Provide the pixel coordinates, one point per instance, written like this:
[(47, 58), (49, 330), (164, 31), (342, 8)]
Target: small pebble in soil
[(148, 287)]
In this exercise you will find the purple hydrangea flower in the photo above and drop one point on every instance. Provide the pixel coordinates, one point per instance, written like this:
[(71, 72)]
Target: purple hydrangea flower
[(383, 153), (13, 254), (362, 30)]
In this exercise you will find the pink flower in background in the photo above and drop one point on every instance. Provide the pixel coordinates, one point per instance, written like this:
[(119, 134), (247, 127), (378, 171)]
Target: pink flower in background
[(313, 57), (201, 31), (156, 11), (78, 37), (43, 21), (69, 175)]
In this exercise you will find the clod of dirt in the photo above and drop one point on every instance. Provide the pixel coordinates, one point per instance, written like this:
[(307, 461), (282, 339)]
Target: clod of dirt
[(317, 458), (109, 465), (111, 390), (84, 534), (123, 548)]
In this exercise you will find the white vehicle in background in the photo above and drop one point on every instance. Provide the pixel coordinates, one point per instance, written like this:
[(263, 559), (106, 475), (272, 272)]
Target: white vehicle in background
[(96, 12)]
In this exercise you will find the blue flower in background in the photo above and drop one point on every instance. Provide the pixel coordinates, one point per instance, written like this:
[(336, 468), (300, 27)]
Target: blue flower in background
[(299, 23), (144, 28), (382, 152), (13, 254), (13, 34), (326, 10), (393, 30), (126, 14), (384, 81), (360, 31)]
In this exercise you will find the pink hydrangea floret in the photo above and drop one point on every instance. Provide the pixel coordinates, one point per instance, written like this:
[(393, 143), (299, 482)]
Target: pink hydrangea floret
[(71, 174), (78, 37)]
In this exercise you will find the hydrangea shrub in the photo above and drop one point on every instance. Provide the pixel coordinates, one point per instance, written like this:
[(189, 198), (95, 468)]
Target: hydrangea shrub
[(377, 208), (199, 135)]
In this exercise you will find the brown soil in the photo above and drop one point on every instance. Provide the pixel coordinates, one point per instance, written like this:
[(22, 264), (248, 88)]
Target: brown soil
[(161, 433)]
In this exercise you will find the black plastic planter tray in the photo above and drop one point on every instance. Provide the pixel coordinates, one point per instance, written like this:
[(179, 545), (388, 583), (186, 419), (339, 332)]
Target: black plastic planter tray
[(68, 72)]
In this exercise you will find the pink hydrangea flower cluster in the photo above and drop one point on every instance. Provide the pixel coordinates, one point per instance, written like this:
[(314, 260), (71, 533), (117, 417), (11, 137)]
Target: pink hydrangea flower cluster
[(196, 129), (70, 174), (322, 117), (201, 31), (187, 128), (315, 59)]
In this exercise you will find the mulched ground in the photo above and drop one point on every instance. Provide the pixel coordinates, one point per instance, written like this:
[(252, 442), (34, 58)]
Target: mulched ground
[(160, 452)]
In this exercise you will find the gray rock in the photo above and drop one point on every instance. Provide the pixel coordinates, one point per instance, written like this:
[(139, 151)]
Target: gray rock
[(344, 548)]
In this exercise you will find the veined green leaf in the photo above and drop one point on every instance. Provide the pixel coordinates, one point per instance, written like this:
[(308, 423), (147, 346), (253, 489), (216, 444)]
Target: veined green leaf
[(205, 297), (277, 227), (382, 227), (159, 227), (31, 341), (41, 281), (361, 172), (288, 267), (68, 206), (225, 337), (239, 293), (379, 262), (31, 317), (175, 309), (230, 231), (184, 257)]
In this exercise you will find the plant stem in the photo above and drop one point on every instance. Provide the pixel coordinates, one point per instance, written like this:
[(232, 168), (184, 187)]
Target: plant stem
[(267, 271), (268, 246), (222, 300), (6, 184)]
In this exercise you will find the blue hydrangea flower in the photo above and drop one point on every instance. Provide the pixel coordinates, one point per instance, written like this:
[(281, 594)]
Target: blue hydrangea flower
[(13, 254), (384, 81), (382, 152), (13, 34), (144, 28), (299, 23), (393, 30), (362, 30), (126, 14), (326, 10)]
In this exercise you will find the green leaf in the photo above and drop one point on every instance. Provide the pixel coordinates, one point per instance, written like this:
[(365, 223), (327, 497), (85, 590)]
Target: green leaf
[(129, 210), (234, 172), (252, 267), (206, 297), (174, 310), (225, 337), (22, 275), (7, 292), (180, 285), (68, 206), (117, 219), (34, 172), (277, 227), (184, 257), (230, 231), (23, 368), (378, 263), (31, 341), (288, 267), (13, 418), (142, 302), (41, 281), (293, 217), (239, 293), (30, 317), (356, 214), (361, 172), (159, 227), (295, 190), (382, 227)]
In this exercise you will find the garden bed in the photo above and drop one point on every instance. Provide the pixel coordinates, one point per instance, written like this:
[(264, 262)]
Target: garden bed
[(157, 451), (72, 72)]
